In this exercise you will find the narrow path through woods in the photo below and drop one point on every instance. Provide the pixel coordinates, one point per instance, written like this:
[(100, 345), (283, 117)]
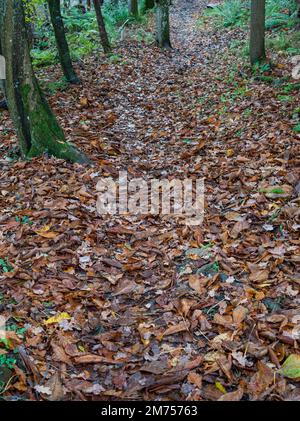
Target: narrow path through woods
[(156, 308)]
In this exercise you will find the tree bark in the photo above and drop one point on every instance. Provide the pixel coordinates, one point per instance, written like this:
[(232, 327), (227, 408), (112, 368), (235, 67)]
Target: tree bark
[(149, 4), (3, 102), (37, 128), (133, 8), (61, 41), (257, 31), (298, 14), (163, 24), (101, 25)]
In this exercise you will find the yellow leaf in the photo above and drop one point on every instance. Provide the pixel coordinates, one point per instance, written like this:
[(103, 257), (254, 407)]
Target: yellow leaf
[(220, 387), (58, 318), (81, 348), (70, 270), (229, 152), (44, 232)]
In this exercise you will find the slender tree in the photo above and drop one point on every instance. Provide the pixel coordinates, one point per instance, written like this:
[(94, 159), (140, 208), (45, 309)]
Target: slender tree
[(101, 25), (37, 128), (61, 41), (257, 31), (133, 7), (163, 24)]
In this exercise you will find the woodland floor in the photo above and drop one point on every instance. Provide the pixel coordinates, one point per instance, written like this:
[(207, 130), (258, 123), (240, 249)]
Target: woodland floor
[(156, 309)]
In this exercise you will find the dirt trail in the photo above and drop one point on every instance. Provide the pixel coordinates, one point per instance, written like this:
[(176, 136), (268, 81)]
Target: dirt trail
[(185, 35)]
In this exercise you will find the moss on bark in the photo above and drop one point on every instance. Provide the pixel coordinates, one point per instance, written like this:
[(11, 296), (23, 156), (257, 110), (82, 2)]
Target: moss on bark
[(36, 125)]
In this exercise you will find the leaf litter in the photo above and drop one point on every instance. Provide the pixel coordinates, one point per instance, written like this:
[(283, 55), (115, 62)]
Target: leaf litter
[(129, 307)]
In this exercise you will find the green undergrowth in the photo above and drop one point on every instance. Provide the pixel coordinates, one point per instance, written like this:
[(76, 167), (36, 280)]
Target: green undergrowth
[(236, 13), (282, 35), (82, 32)]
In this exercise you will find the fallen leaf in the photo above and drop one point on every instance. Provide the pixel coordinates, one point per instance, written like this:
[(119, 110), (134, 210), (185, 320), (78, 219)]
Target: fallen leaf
[(291, 367), (232, 396), (57, 318), (238, 228), (180, 327)]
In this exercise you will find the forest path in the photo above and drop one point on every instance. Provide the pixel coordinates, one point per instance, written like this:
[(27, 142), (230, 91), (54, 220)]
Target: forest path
[(183, 17), (155, 309)]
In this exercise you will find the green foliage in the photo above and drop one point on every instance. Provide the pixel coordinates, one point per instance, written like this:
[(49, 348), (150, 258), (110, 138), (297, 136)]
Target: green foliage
[(232, 13), (24, 220), (52, 87), (297, 128), (285, 42), (43, 57), (7, 361), (82, 32), (280, 13), (5, 266)]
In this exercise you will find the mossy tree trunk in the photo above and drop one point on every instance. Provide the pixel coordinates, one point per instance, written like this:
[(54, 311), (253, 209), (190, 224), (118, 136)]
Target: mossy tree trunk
[(37, 128), (163, 24), (61, 41), (133, 8), (257, 31), (101, 25)]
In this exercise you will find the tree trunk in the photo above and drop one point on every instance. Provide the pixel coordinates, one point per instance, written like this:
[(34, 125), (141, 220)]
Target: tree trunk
[(149, 4), (37, 128), (3, 103), (163, 24), (101, 25), (257, 31), (298, 14), (81, 6), (61, 41), (133, 8)]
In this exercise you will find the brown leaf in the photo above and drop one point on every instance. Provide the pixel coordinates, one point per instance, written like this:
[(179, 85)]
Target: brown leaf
[(233, 396), (239, 314), (125, 286), (259, 275), (94, 359), (180, 327), (238, 228), (56, 387), (59, 354), (195, 379), (260, 381), (197, 283)]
